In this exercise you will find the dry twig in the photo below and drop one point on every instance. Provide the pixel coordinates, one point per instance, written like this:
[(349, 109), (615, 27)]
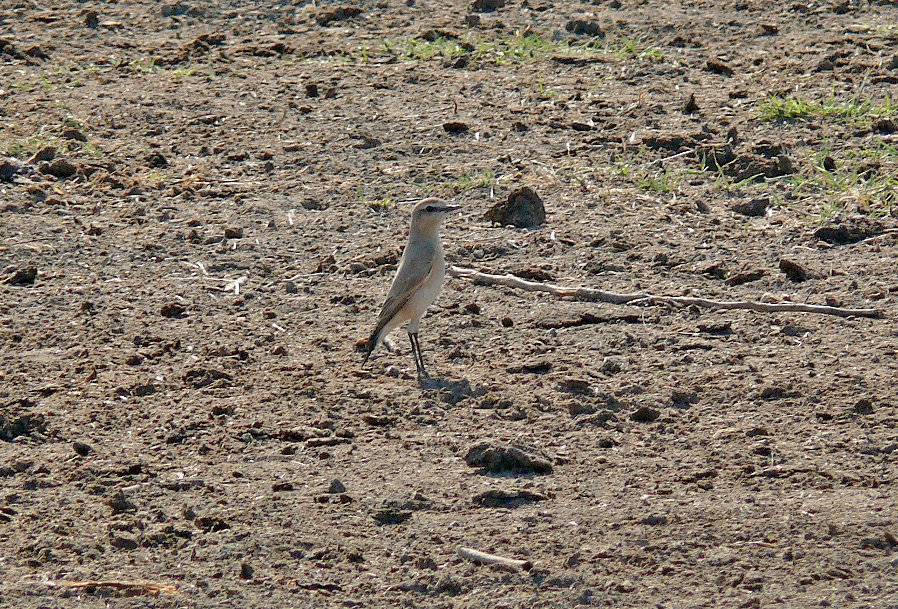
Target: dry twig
[(594, 295), (141, 586), (492, 559)]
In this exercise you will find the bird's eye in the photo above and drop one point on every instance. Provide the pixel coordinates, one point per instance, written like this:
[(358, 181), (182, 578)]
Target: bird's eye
[(430, 208)]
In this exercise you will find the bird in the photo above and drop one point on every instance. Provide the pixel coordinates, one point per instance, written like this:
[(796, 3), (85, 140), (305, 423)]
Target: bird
[(418, 279)]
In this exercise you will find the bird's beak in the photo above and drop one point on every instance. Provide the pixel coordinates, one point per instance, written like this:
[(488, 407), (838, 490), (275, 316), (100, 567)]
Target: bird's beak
[(452, 208)]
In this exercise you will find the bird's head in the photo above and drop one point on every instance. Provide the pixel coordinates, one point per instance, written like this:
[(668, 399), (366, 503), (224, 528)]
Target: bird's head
[(429, 213)]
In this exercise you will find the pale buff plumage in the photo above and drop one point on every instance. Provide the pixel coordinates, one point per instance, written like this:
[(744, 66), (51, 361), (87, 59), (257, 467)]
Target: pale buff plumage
[(418, 279)]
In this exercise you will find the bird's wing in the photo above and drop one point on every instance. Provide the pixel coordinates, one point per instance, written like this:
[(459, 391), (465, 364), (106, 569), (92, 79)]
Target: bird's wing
[(409, 277)]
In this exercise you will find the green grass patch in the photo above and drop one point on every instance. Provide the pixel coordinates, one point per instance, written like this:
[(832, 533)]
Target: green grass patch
[(796, 108), (517, 48), (471, 180)]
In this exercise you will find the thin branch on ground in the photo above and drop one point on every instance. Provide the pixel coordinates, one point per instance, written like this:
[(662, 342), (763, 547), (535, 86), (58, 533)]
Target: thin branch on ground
[(594, 295)]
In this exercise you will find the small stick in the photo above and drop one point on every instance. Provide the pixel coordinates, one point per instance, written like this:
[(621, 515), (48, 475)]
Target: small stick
[(149, 587), (491, 559), (592, 294)]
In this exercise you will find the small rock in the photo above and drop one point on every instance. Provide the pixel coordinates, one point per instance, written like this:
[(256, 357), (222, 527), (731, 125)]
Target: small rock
[(279, 487), (718, 67), (120, 503), (122, 542), (60, 168), (311, 89), (455, 127), (391, 513), (851, 231), (9, 167), (246, 571), (336, 487), (863, 406), (173, 310), (507, 499), (534, 367), (611, 365), (233, 232), (507, 322), (338, 14), (518, 458), (583, 27), (753, 208), (155, 160), (487, 6), (654, 520), (74, 134), (691, 107), (91, 19), (523, 209), (24, 276), (47, 153), (794, 271), (885, 125), (644, 414), (472, 20), (81, 448)]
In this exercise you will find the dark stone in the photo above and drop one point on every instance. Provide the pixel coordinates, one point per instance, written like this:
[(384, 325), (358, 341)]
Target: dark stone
[(523, 209), (516, 458)]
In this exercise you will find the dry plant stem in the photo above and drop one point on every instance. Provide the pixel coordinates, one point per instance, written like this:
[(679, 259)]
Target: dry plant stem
[(594, 295), (149, 587), (491, 559)]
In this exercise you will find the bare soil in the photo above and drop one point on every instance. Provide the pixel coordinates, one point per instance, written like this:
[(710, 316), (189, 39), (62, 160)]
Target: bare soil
[(201, 208)]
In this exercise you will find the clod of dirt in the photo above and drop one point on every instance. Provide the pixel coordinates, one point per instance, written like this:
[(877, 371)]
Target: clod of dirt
[(644, 414), (849, 231), (392, 512), (753, 208), (91, 20), (120, 503), (507, 498), (691, 106), (508, 458), (718, 67), (336, 487), (523, 209), (211, 524), (455, 127), (82, 448), (124, 542), (233, 232), (487, 6), (156, 160), (472, 20), (36, 52), (74, 134), (681, 398), (173, 310), (47, 153), (754, 166), (22, 425), (534, 367), (794, 271), (25, 276), (584, 27), (174, 10), (746, 277), (60, 168), (9, 167), (339, 13)]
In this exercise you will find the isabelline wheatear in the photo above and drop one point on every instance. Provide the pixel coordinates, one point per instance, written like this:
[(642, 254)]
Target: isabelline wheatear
[(418, 280)]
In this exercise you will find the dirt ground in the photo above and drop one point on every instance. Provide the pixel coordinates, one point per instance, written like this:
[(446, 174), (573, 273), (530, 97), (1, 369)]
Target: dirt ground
[(201, 208)]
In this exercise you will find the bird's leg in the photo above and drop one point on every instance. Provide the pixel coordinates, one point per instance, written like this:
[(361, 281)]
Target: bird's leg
[(416, 352)]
